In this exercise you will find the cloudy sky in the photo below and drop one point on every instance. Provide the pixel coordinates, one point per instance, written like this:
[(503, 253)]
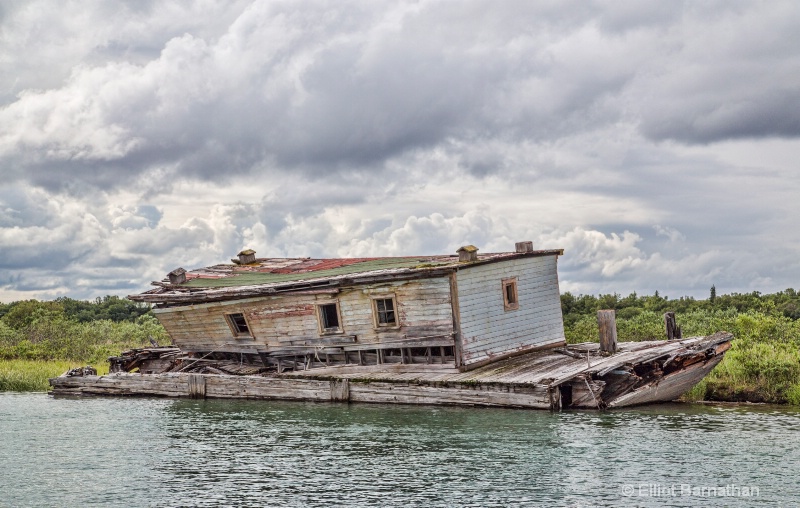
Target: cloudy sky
[(656, 143)]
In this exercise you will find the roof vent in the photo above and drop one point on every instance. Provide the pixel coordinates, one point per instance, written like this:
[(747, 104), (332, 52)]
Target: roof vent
[(246, 257), (523, 247), (177, 276), (467, 253)]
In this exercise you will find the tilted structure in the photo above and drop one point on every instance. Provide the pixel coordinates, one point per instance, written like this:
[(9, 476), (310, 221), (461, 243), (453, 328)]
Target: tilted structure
[(462, 311)]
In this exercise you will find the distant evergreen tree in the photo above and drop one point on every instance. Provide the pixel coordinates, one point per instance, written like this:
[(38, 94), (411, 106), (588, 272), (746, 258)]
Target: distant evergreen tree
[(713, 296)]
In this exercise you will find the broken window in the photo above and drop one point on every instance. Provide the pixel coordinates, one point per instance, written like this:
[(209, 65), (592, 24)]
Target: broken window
[(385, 312), (238, 325), (329, 317), (510, 299)]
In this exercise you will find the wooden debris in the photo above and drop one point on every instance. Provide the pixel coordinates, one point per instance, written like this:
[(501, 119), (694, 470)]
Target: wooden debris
[(147, 360), (82, 371)]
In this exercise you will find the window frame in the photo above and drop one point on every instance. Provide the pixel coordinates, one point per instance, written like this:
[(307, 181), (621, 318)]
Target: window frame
[(229, 318), (376, 313), (321, 318), (510, 303)]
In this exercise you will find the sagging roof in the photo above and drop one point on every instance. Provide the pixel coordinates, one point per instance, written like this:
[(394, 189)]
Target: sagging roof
[(267, 276)]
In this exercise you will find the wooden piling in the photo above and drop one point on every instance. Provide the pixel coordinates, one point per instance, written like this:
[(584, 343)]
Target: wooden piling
[(340, 390), (672, 328), (196, 386), (606, 323)]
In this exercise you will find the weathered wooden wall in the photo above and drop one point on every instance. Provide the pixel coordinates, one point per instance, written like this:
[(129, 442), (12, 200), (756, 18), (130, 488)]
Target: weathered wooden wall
[(423, 310), (488, 329)]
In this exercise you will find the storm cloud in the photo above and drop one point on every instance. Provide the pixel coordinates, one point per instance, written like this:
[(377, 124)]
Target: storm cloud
[(653, 141)]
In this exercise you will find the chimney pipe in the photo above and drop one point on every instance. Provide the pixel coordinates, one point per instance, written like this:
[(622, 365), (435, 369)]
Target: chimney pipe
[(523, 247), (177, 276), (246, 257), (467, 253)]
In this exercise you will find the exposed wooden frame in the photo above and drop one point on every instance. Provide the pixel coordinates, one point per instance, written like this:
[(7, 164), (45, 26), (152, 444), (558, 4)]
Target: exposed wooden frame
[(456, 310)]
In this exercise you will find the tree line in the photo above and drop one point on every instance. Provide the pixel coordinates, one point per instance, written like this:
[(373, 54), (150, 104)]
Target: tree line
[(77, 330), (785, 303)]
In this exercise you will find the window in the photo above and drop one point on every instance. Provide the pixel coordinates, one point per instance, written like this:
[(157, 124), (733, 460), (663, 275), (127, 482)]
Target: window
[(510, 299), (329, 317), (385, 314), (238, 325)]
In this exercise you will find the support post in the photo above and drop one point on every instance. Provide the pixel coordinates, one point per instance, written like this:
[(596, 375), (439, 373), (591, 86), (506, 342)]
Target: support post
[(607, 324), (340, 390), (197, 386), (673, 330)]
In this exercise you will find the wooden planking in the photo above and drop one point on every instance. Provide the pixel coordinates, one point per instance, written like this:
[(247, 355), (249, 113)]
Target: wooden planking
[(535, 284), (487, 329), (423, 310), (670, 387), (541, 325), (529, 380), (255, 387), (189, 385), (536, 397)]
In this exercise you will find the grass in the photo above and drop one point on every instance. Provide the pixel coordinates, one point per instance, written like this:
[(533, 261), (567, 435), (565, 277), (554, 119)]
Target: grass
[(32, 375)]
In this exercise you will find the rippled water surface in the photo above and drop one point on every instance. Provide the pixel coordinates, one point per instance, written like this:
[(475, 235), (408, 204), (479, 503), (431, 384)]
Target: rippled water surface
[(155, 452)]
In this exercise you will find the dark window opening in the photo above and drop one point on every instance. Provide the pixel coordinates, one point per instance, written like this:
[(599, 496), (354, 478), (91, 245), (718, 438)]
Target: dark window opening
[(566, 394), (239, 324), (385, 310), (510, 299), (329, 314)]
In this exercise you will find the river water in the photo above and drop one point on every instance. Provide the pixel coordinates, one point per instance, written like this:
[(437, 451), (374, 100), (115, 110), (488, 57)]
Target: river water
[(157, 452)]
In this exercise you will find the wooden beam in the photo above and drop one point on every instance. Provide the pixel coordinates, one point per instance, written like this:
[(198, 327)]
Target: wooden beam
[(607, 326), (672, 328)]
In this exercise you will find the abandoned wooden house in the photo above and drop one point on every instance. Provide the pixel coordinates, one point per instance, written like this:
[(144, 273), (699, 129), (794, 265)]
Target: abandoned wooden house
[(471, 329), (461, 311)]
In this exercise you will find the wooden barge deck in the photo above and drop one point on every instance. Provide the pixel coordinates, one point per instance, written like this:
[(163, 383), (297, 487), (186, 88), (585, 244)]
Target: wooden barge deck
[(575, 376)]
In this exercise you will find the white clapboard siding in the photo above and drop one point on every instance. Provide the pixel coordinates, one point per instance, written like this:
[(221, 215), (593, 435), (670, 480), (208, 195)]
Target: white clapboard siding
[(487, 329), (423, 310)]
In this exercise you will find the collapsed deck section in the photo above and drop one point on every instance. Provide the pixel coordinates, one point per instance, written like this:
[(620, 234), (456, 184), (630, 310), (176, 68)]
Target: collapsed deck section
[(575, 377)]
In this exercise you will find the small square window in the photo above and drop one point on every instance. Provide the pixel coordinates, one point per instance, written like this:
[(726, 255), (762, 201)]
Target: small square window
[(510, 298), (329, 317), (238, 325), (385, 312)]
